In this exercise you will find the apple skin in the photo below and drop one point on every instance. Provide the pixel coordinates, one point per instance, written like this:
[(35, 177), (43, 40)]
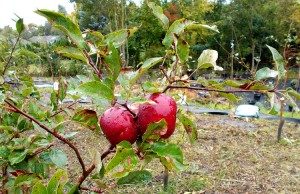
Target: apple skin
[(118, 124), (165, 108)]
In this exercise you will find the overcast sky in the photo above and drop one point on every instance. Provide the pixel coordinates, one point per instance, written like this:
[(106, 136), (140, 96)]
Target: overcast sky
[(25, 9)]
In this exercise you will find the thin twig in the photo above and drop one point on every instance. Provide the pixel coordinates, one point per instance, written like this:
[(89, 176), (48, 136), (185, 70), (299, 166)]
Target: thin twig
[(11, 54), (54, 133), (92, 167), (62, 109), (217, 90)]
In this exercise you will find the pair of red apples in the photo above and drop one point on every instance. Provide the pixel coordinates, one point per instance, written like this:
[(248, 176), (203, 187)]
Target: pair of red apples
[(119, 124)]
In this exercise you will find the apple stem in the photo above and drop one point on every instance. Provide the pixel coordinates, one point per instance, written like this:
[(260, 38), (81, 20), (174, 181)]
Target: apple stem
[(127, 108)]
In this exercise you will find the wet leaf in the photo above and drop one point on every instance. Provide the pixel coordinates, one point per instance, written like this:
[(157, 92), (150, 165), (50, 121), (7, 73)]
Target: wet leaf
[(39, 188), (26, 180), (58, 157), (17, 156), (208, 58), (20, 25), (237, 83), (182, 49), (25, 52), (189, 127), (59, 177), (133, 76), (119, 37), (176, 28), (71, 52), (123, 162), (158, 12), (65, 24), (293, 93), (196, 26), (265, 73), (279, 62), (155, 130), (96, 90), (113, 60), (136, 177), (170, 155), (87, 118)]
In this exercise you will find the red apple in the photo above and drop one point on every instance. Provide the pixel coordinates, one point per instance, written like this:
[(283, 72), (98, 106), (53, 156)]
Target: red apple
[(118, 124), (164, 108)]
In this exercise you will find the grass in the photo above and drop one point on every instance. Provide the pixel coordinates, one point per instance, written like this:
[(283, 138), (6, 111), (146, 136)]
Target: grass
[(227, 158)]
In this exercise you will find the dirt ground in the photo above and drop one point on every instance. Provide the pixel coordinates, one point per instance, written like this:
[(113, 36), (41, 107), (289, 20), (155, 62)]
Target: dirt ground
[(231, 156)]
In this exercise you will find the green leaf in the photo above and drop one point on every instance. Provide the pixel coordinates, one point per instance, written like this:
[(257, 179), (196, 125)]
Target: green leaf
[(74, 190), (62, 89), (25, 52), (58, 157), (26, 180), (170, 155), (27, 91), (109, 83), (236, 83), (293, 93), (20, 26), (123, 162), (189, 127), (97, 34), (62, 22), (293, 103), (149, 87), (146, 65), (4, 152), (208, 58), (39, 188), (87, 118), (2, 97), (58, 178), (35, 110), (259, 86), (119, 37), (159, 13), (196, 26), (279, 62), (136, 177), (71, 52), (265, 72), (97, 162), (155, 130), (182, 49), (53, 101), (96, 90), (113, 60), (17, 156), (229, 96), (275, 105), (176, 28)]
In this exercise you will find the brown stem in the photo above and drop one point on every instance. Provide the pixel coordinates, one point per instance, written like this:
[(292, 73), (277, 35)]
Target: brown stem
[(127, 108), (40, 150), (5, 179), (11, 54), (92, 167), (92, 64), (62, 109), (216, 90), (68, 142)]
